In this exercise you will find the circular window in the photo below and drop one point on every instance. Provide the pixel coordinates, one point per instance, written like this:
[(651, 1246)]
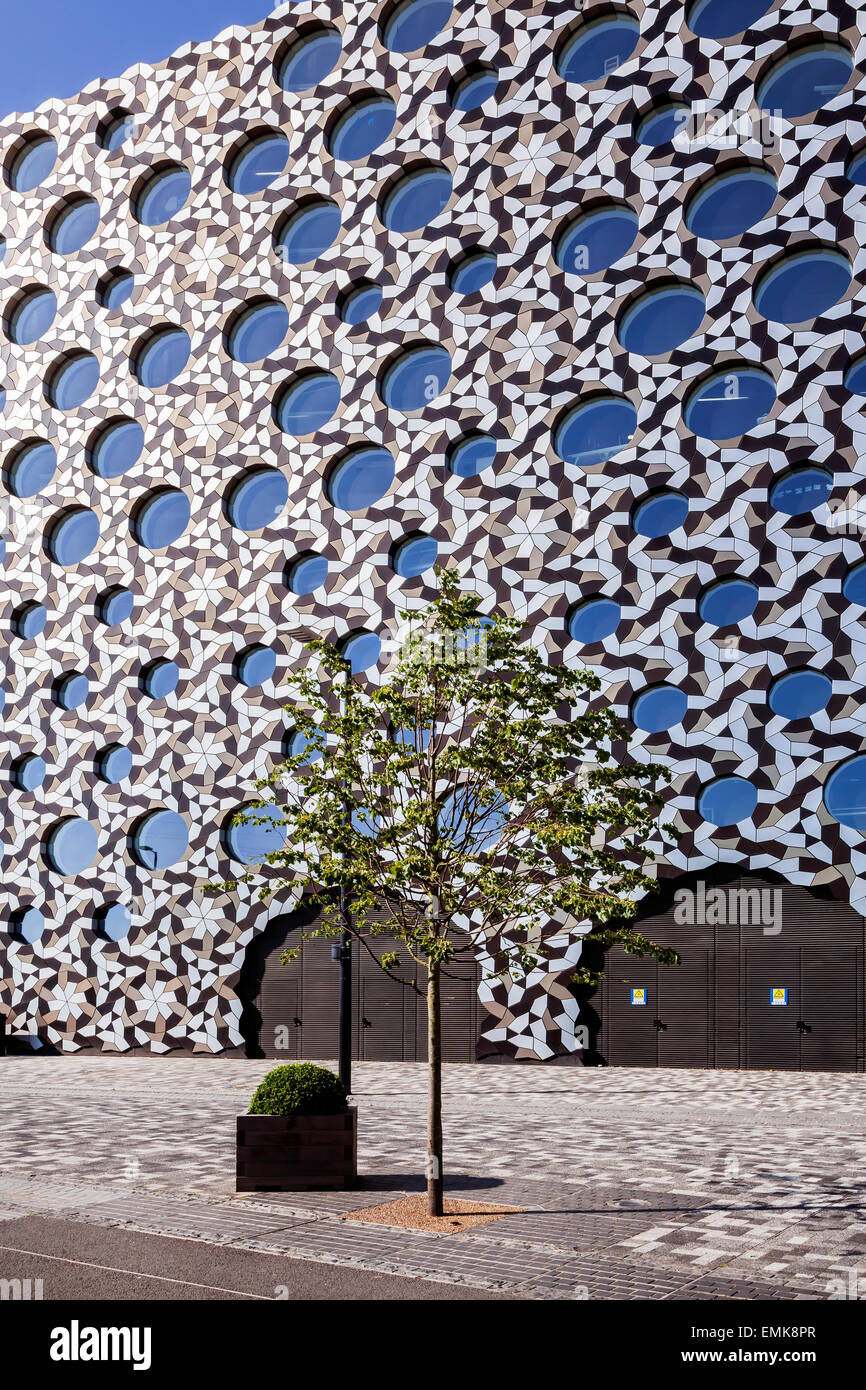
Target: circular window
[(597, 47), (2, 249), (257, 163), (71, 690), (71, 845), (728, 601), (72, 535), (263, 833), (306, 573), (257, 331), (592, 432), (469, 273), (115, 605), (362, 127), (29, 620), (660, 514), (308, 231), (32, 162), (32, 315), (415, 377), (162, 356), (410, 24), (595, 240), (805, 80), (855, 376), (29, 772), (256, 498), (160, 839), (255, 665), (113, 763), (298, 745), (802, 285), (72, 381), (162, 195), (115, 288), (659, 708), (722, 19), (594, 620), (415, 199), (114, 449), (361, 650), (660, 319), (414, 555), (309, 58), (361, 477), (845, 793), (801, 490), (308, 402), (72, 225), (161, 518), (471, 453), (855, 169), (730, 402), (470, 89), (727, 801), (113, 921), (798, 694), (730, 203), (115, 129), (661, 124), (31, 468), (359, 302), (854, 585), (159, 678), (27, 924)]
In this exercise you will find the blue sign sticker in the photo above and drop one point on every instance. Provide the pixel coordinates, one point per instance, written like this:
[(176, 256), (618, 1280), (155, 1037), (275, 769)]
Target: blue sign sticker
[(778, 995), (638, 996)]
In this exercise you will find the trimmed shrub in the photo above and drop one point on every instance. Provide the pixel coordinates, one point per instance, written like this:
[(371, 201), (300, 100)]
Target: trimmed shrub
[(299, 1088)]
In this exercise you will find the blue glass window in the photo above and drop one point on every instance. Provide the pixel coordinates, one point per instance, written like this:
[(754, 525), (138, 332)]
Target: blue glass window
[(71, 845), (113, 763), (115, 605), (845, 793), (414, 555), (255, 665), (296, 745), (162, 357), (801, 490), (161, 518), (728, 601), (309, 59), (661, 124), (659, 708), (595, 240), (469, 273), (416, 198), (595, 430), (160, 839), (29, 620), (115, 288), (593, 620), (805, 80), (2, 249), (476, 835), (727, 801), (471, 453), (264, 833), (659, 320), (411, 24), (415, 377), (72, 535), (113, 921), (854, 584), (361, 650), (257, 331), (597, 47), (730, 402), (660, 514), (115, 129), (261, 160), (361, 477), (362, 127), (309, 231), (115, 448), (27, 924), (308, 402), (29, 772), (798, 694), (256, 498), (730, 203), (855, 376), (359, 302), (162, 195), (306, 573), (159, 678), (722, 19), (802, 285), (470, 89), (31, 468), (855, 169), (73, 381), (72, 225), (32, 315), (71, 690), (32, 163)]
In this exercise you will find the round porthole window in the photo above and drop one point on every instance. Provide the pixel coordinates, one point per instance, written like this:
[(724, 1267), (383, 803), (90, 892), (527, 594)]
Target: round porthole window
[(29, 772), (257, 331), (595, 430), (469, 273), (593, 620), (161, 518), (306, 573), (27, 924), (471, 453), (31, 316), (162, 356), (71, 846), (72, 535), (362, 127), (308, 402), (472, 87), (160, 839), (32, 161), (414, 199), (259, 161), (415, 377), (594, 48), (256, 498), (660, 513), (113, 921), (845, 793), (361, 477), (262, 833), (72, 224), (115, 606), (31, 468), (659, 708), (162, 194), (730, 402), (115, 288), (728, 601), (115, 447), (159, 678), (255, 665), (729, 203), (596, 239), (28, 620), (72, 380), (309, 58), (308, 231), (413, 555), (410, 24), (727, 801), (113, 763), (661, 319), (361, 650)]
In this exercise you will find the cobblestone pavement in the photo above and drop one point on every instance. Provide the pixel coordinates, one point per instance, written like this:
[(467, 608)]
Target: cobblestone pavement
[(636, 1183)]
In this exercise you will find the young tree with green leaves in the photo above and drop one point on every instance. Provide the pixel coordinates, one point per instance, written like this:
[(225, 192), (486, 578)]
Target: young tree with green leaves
[(471, 801)]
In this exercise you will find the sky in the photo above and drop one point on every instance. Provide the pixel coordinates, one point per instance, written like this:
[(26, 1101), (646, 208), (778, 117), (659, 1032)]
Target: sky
[(53, 48)]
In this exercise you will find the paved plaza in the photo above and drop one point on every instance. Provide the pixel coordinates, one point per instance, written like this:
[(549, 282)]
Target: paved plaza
[(656, 1184)]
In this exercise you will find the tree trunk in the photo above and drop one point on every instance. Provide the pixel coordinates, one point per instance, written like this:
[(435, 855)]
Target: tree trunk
[(434, 1108)]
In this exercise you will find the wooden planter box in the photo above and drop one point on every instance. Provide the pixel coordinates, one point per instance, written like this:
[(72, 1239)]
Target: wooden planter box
[(291, 1153)]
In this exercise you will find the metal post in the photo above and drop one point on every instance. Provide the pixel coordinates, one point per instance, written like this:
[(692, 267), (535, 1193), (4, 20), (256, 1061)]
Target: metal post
[(345, 1043)]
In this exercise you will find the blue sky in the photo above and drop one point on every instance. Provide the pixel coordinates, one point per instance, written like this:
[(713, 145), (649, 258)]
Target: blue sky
[(53, 48)]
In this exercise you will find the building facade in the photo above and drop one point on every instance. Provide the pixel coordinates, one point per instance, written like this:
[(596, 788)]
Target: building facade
[(569, 296)]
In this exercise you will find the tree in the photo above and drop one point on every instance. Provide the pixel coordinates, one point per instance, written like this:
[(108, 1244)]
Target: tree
[(471, 799)]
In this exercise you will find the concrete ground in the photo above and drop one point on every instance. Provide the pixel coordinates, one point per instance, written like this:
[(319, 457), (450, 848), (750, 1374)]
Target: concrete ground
[(637, 1184)]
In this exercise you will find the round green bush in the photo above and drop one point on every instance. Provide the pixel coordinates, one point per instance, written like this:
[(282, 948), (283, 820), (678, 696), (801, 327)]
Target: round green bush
[(299, 1088)]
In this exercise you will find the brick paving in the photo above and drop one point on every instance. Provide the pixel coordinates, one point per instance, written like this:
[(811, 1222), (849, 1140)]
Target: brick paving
[(637, 1184)]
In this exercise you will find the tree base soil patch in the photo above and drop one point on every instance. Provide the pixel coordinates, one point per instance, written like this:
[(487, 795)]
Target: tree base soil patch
[(412, 1213)]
